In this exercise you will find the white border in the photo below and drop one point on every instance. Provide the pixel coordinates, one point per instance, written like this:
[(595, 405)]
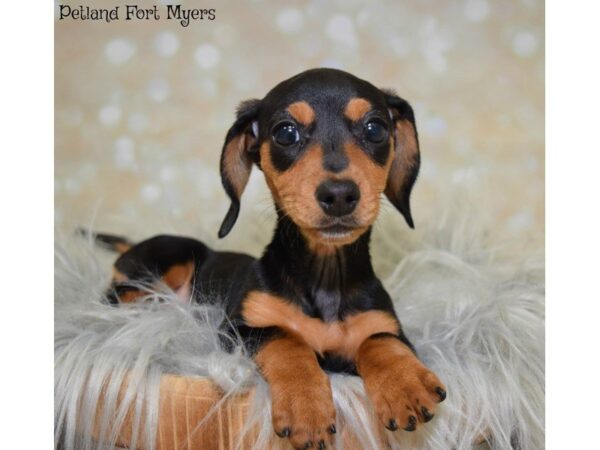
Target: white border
[(573, 190), (573, 223), (26, 264)]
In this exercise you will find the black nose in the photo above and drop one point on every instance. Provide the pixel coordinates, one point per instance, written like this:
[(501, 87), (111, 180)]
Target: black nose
[(338, 197)]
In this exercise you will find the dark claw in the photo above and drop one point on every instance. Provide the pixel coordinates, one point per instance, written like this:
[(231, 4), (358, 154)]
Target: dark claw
[(309, 444), (332, 429), (322, 445), (441, 393), (284, 433), (392, 425), (427, 416), (412, 424)]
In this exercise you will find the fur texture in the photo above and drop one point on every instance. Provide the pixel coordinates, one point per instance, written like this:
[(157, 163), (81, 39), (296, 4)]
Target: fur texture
[(471, 301)]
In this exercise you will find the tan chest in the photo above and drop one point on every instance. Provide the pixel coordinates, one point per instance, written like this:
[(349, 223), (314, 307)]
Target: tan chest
[(342, 338)]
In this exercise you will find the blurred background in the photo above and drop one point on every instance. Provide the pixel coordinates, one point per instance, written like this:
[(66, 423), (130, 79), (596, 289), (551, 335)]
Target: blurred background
[(142, 108)]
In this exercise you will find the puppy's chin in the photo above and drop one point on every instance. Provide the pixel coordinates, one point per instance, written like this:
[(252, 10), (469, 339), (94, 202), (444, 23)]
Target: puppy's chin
[(327, 240), (325, 234)]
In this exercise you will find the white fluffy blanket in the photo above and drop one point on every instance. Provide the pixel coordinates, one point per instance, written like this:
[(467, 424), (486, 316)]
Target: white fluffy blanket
[(471, 301)]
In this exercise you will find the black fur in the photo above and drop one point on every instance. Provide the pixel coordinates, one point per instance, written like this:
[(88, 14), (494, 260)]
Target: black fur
[(325, 287)]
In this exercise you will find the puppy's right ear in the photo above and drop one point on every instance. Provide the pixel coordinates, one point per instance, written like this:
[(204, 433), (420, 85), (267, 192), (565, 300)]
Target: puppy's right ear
[(236, 162)]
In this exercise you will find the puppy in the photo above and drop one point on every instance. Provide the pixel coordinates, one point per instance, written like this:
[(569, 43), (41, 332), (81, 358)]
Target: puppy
[(329, 145)]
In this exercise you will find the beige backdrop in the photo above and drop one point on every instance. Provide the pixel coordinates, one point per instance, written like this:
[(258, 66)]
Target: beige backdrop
[(142, 108)]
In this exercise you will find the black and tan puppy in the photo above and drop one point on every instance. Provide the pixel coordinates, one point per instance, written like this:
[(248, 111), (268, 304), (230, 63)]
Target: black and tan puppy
[(329, 145)]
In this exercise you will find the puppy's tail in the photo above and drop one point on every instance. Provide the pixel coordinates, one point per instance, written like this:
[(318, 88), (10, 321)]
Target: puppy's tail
[(114, 243)]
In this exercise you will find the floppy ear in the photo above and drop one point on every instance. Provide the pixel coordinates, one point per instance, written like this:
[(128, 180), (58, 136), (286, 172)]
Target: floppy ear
[(236, 161), (407, 158)]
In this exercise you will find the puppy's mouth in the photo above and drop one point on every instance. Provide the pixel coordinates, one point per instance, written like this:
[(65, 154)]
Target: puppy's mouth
[(335, 232), (338, 230)]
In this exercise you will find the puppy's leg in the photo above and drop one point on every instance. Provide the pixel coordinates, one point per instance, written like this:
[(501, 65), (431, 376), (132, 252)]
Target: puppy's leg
[(302, 403), (171, 260), (128, 290), (403, 391)]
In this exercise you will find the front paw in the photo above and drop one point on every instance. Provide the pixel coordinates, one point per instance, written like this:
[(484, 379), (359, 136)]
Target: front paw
[(403, 391), (303, 412)]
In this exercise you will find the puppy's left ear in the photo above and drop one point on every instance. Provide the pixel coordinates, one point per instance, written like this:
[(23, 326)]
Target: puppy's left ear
[(236, 159), (407, 157)]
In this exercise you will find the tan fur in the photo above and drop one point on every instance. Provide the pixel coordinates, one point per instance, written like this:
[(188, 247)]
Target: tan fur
[(302, 112), (342, 338), (178, 278), (370, 177), (357, 108), (119, 277), (131, 296), (236, 163), (406, 154), (297, 383), (294, 190), (321, 246), (121, 247), (397, 383)]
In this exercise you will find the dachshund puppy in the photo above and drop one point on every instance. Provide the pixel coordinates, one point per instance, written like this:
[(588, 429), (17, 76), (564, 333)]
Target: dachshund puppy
[(329, 144)]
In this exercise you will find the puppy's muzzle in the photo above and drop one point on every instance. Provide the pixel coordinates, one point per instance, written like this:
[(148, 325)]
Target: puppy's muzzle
[(338, 198)]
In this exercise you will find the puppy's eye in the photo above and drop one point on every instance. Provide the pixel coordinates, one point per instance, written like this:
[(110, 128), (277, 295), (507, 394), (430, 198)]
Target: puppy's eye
[(375, 131), (286, 134)]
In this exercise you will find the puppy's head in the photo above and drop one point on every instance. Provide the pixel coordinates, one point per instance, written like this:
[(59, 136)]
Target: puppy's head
[(329, 145)]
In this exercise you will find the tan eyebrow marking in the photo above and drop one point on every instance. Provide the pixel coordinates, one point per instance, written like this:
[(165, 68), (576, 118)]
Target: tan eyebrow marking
[(302, 112), (356, 108)]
